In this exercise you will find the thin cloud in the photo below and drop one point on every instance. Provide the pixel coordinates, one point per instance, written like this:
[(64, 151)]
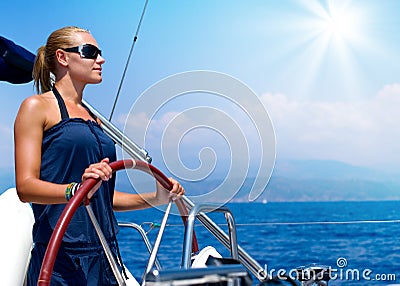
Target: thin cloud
[(360, 132)]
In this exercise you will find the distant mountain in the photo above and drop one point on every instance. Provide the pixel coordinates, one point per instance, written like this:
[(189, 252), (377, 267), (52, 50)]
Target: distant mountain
[(291, 181), (328, 169), (322, 180), (310, 180)]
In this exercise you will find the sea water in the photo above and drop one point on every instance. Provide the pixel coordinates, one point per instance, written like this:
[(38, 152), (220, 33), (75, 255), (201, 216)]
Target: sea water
[(357, 240)]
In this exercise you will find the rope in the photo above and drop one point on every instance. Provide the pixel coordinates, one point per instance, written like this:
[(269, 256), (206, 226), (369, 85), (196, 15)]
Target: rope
[(128, 60), (306, 223), (319, 222)]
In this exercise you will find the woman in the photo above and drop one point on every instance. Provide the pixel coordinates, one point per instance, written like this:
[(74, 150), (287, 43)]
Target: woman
[(58, 144)]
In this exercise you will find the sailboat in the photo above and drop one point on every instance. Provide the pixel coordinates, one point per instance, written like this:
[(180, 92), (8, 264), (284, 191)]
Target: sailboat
[(198, 266)]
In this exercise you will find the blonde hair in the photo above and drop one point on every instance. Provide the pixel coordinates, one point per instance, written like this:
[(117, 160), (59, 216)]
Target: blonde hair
[(45, 62)]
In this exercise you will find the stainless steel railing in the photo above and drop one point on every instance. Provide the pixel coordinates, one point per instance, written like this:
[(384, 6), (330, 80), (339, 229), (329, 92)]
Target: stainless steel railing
[(132, 149)]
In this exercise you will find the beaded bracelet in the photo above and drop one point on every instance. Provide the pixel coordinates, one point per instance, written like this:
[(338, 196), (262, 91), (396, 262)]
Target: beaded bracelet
[(71, 189)]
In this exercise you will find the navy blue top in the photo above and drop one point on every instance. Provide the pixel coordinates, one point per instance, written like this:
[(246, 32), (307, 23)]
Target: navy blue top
[(68, 148)]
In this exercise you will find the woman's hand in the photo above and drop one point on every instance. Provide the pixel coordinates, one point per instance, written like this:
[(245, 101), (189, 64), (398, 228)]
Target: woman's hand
[(163, 195), (100, 170)]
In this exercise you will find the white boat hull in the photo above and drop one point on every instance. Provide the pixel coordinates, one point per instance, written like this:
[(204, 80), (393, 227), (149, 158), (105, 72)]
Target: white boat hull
[(16, 221)]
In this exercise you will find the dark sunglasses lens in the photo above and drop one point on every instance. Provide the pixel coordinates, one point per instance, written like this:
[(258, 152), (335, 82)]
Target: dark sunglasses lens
[(90, 52)]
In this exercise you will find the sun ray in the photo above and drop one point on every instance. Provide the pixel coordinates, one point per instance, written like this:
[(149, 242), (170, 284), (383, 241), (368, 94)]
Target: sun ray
[(328, 37)]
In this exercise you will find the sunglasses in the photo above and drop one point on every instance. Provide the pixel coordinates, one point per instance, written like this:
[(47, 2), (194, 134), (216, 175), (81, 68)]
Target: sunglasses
[(87, 51)]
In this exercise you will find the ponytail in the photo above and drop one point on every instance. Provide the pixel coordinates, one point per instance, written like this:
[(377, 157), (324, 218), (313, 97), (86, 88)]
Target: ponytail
[(41, 73)]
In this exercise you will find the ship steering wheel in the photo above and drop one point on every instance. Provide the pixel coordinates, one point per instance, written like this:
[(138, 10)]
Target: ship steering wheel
[(81, 196)]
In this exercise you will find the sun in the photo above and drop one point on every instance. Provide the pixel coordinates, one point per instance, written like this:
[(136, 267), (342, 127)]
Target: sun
[(339, 26), (329, 37), (339, 21)]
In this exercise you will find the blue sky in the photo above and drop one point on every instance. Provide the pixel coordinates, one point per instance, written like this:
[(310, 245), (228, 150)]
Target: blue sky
[(327, 72)]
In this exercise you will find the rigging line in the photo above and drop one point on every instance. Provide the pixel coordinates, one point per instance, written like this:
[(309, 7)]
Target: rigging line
[(305, 223), (128, 60), (319, 222)]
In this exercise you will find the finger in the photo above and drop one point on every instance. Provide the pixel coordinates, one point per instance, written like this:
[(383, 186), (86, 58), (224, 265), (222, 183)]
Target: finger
[(175, 185), (107, 160), (91, 174), (177, 188), (105, 168), (181, 191), (109, 169), (99, 170), (88, 176), (103, 171), (102, 166)]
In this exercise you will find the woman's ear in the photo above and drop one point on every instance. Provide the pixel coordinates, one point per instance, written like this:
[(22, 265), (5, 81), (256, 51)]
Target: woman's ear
[(62, 57)]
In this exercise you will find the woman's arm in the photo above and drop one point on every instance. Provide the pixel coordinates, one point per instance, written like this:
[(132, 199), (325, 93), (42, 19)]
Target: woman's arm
[(125, 201), (28, 134)]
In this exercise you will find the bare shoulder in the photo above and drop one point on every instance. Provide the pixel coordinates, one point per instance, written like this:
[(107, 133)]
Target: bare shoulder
[(34, 102), (35, 109)]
